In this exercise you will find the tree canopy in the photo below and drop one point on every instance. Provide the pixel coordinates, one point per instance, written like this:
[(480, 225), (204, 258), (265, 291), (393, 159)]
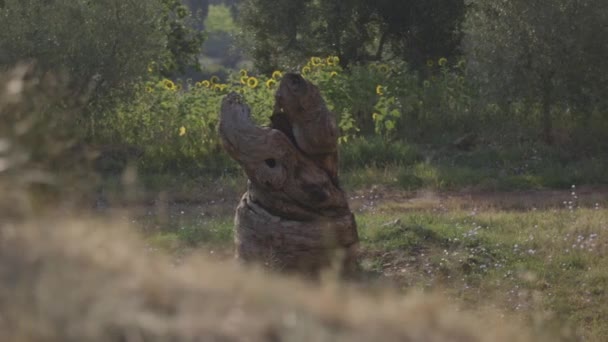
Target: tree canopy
[(284, 31)]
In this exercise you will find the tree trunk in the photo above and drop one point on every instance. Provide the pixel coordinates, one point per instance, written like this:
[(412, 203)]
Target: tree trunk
[(294, 215), (547, 102)]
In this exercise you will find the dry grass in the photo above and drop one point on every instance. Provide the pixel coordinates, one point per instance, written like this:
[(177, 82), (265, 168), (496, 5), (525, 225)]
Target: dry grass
[(90, 281)]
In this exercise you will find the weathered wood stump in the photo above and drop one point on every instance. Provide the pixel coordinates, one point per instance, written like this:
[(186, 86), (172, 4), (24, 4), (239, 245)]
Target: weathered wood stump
[(294, 215)]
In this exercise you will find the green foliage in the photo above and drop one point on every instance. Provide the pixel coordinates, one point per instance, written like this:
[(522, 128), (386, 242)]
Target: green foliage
[(104, 47), (220, 19), (184, 42), (286, 31), (545, 53)]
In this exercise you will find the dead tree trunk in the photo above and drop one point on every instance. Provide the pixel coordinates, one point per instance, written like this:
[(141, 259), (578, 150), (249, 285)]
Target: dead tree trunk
[(294, 216)]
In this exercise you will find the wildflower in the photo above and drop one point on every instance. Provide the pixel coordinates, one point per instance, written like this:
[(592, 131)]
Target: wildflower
[(182, 131), (305, 70), (169, 84), (214, 79), (316, 61), (442, 61), (271, 82), (244, 79), (243, 72), (276, 75), (206, 84), (379, 90), (333, 73), (426, 84), (383, 68), (252, 82), (430, 63), (330, 61), (198, 84), (149, 89), (218, 87)]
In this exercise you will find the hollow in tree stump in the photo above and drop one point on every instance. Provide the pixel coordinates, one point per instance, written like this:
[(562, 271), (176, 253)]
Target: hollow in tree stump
[(294, 215)]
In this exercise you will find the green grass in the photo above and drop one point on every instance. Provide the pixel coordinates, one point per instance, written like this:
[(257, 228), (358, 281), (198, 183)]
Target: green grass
[(551, 263)]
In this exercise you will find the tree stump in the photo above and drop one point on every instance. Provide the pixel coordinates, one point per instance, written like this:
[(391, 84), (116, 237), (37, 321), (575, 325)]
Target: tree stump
[(294, 215)]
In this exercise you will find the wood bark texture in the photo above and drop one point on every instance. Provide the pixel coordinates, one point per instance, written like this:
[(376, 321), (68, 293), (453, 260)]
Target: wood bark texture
[(294, 215)]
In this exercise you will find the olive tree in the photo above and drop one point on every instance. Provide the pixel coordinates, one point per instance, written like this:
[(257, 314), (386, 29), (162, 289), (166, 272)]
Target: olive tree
[(106, 44), (546, 52), (283, 31)]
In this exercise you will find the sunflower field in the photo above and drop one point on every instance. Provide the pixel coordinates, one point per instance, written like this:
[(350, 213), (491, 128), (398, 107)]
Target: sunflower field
[(175, 123)]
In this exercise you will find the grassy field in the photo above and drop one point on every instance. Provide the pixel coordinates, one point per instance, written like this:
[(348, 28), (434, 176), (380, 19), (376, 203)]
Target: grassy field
[(540, 256)]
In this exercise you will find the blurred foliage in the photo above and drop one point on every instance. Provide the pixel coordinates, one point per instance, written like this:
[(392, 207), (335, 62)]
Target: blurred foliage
[(283, 32), (41, 158)]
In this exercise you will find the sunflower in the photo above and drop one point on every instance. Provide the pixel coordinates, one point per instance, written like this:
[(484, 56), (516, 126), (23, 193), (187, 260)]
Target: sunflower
[(430, 63), (182, 131), (214, 79), (305, 70), (379, 90), (442, 61), (243, 72), (206, 83), (218, 87), (330, 61), (252, 82), (244, 79), (149, 89), (169, 84), (270, 83), (198, 84), (333, 73), (336, 60), (426, 84), (276, 75), (316, 61)]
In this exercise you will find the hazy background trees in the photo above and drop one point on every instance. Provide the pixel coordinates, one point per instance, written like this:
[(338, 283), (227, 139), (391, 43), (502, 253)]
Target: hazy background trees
[(357, 31)]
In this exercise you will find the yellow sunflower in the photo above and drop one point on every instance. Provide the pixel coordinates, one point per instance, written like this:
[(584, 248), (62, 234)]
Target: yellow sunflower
[(379, 90), (305, 70), (252, 82), (149, 89), (330, 61), (182, 131), (316, 61), (333, 73), (430, 63), (206, 83), (276, 75), (270, 83), (169, 84), (243, 72), (244, 79), (198, 84), (442, 61), (214, 79), (218, 87)]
